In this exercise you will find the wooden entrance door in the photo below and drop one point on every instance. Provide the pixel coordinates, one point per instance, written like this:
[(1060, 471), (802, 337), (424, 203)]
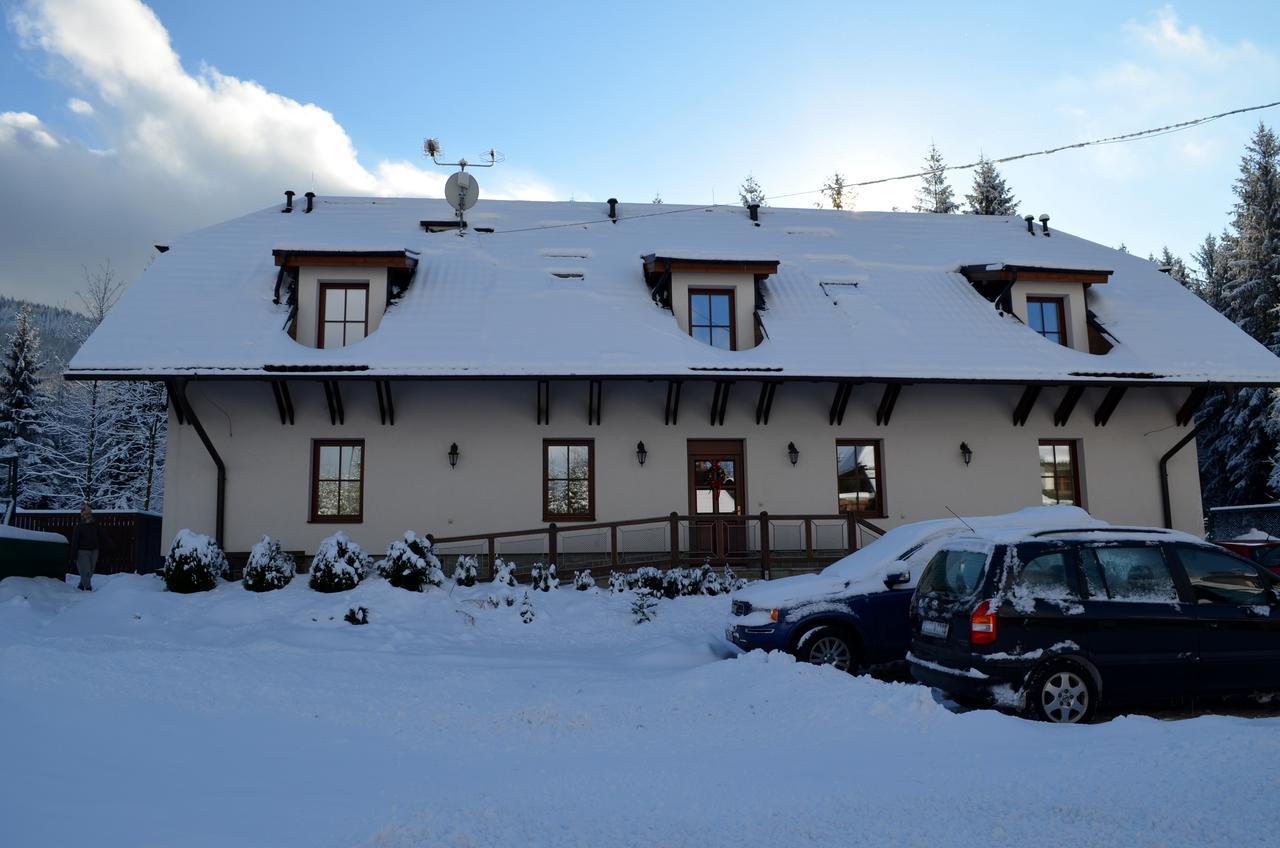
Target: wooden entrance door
[(717, 498)]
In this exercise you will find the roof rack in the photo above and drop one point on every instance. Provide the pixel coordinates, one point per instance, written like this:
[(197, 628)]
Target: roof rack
[(1108, 529)]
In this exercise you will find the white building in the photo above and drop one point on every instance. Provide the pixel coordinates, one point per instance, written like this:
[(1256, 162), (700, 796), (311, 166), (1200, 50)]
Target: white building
[(363, 366)]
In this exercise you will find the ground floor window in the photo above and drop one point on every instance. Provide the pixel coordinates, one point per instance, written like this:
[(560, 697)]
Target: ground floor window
[(1059, 472), (337, 480), (568, 472), (860, 477)]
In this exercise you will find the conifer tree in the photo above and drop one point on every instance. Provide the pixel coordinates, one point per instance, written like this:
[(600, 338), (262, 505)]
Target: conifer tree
[(22, 401), (935, 193), (1177, 268), (990, 194), (1212, 270), (838, 191), (750, 192)]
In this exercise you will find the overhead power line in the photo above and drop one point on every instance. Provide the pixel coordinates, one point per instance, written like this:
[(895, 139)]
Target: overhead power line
[(1097, 142)]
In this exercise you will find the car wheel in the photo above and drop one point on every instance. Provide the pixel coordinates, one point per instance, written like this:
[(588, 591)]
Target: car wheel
[(828, 646), (1062, 693)]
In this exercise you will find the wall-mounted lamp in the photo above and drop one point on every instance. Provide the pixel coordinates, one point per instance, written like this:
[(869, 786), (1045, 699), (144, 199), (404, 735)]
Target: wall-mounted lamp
[(453, 455), (966, 453), (793, 453), (641, 453)]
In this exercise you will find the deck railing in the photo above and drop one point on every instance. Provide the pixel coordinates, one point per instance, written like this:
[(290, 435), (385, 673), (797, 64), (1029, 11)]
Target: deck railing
[(762, 545)]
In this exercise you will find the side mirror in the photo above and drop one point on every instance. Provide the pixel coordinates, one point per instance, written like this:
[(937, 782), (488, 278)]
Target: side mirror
[(897, 578)]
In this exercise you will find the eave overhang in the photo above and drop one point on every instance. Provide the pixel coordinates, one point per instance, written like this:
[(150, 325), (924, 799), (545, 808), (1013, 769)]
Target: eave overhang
[(403, 259)]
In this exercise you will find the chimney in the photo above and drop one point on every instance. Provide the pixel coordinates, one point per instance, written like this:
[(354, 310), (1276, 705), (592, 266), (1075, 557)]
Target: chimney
[(311, 199), (1044, 224), (753, 209), (288, 201), (1030, 227), (613, 209)]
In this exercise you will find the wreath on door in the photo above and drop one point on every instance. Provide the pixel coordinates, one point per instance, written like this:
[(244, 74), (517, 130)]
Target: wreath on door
[(718, 478)]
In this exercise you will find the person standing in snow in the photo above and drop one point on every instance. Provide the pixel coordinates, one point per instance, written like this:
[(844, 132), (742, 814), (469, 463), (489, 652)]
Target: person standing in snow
[(84, 547)]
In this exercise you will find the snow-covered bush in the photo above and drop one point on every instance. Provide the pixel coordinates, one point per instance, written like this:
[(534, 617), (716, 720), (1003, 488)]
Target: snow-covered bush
[(194, 563), (731, 582), (464, 571), (526, 610), (411, 564), (582, 580), (646, 577), (269, 567), (543, 577), (618, 582), (707, 579), (339, 564), (357, 615), (504, 573), (645, 606)]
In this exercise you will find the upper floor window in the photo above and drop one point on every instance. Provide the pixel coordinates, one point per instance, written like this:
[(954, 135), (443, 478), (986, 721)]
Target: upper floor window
[(711, 317), (858, 477), (1048, 317), (344, 313), (337, 480), (568, 471), (1059, 472)]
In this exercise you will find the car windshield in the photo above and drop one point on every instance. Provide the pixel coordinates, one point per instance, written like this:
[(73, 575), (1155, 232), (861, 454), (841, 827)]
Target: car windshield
[(954, 572)]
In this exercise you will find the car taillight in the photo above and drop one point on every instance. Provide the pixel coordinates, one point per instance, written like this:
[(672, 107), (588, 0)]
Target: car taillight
[(773, 615), (982, 624)]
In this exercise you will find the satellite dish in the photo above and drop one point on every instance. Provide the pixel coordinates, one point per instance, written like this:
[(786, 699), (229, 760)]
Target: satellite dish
[(462, 191)]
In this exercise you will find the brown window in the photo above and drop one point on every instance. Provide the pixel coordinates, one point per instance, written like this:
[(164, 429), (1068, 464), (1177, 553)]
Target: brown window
[(1048, 317), (344, 313), (860, 477), (711, 317), (1059, 472), (337, 480), (569, 485)]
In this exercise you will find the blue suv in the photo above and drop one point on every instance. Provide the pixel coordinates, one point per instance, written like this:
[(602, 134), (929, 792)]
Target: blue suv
[(856, 612)]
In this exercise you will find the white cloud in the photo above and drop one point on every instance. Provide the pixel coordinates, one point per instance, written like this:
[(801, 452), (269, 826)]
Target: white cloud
[(177, 149)]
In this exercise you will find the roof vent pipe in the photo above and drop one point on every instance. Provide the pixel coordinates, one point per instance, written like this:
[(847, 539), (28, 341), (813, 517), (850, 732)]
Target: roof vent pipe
[(1044, 224), (613, 209), (311, 199), (288, 201), (1030, 219), (754, 210)]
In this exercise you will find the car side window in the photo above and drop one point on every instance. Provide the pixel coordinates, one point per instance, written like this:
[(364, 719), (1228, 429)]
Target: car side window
[(1044, 576), (1137, 574), (1220, 579)]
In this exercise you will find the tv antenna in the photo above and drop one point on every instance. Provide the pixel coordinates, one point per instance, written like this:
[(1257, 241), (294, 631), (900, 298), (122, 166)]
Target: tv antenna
[(461, 190)]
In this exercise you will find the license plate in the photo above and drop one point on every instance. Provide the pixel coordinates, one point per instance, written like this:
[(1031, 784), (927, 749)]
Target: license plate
[(935, 628)]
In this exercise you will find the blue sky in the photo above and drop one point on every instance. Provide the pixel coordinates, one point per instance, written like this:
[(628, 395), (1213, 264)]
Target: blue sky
[(189, 113)]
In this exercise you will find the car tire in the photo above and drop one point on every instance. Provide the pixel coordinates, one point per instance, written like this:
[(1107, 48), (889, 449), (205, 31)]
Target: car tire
[(826, 645), (1061, 692)]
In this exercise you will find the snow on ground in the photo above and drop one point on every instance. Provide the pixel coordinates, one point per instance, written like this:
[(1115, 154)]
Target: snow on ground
[(133, 717)]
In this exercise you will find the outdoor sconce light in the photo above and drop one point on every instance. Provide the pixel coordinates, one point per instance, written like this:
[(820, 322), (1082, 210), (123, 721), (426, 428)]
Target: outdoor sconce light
[(793, 453), (453, 455), (641, 453), (966, 453)]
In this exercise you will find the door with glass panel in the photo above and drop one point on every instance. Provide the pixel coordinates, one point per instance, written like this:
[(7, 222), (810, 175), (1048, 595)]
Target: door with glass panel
[(717, 499)]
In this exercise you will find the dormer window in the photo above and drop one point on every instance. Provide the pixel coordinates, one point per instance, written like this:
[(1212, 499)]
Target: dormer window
[(711, 317), (338, 297), (1052, 302), (344, 313), (1048, 317)]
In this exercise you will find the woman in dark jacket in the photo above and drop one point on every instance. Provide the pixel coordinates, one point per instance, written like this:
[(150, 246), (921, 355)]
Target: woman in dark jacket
[(85, 541)]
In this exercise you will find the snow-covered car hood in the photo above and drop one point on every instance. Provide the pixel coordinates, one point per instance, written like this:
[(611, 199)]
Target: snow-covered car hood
[(863, 571)]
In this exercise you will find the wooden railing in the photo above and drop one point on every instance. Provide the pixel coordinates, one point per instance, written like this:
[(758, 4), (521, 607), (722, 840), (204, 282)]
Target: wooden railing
[(754, 545)]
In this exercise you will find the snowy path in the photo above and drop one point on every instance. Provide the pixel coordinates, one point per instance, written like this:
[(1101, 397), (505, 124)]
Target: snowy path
[(232, 719)]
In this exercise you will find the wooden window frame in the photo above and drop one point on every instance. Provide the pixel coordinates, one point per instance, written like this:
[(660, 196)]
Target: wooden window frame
[(703, 449), (1061, 303), (733, 313), (1073, 446), (316, 445), (877, 445), (590, 515), (324, 286)]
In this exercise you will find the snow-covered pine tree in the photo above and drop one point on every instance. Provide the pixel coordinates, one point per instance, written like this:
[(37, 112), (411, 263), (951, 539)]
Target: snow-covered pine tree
[(935, 193), (657, 199), (1213, 272), (990, 194), (22, 402), (1177, 268), (750, 192), (838, 191)]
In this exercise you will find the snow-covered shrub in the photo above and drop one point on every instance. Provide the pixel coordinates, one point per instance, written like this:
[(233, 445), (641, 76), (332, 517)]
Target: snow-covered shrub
[(504, 573), (410, 564), (339, 564), (618, 582), (357, 615), (269, 567), (582, 580), (526, 609), (194, 563), (679, 582), (464, 571), (731, 582), (646, 577), (645, 606), (707, 579), (543, 577)]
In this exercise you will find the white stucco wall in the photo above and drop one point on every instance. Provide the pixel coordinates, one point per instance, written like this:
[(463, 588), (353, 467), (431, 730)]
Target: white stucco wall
[(309, 302), (497, 484), (744, 301)]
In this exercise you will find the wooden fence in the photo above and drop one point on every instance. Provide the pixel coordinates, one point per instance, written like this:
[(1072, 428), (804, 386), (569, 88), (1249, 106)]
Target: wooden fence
[(130, 541)]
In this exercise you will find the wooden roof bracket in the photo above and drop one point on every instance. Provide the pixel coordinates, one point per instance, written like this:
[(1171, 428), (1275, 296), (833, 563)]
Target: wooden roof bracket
[(1187, 412), (333, 399), (765, 404), (719, 402), (1026, 403), (840, 403), (1063, 413), (544, 402), (887, 402), (1108, 405), (595, 399), (673, 401)]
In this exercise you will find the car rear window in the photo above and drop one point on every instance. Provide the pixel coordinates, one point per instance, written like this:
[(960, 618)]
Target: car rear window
[(954, 572), (1135, 574)]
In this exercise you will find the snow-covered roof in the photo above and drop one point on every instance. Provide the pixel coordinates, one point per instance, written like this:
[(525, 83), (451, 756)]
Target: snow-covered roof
[(489, 303)]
